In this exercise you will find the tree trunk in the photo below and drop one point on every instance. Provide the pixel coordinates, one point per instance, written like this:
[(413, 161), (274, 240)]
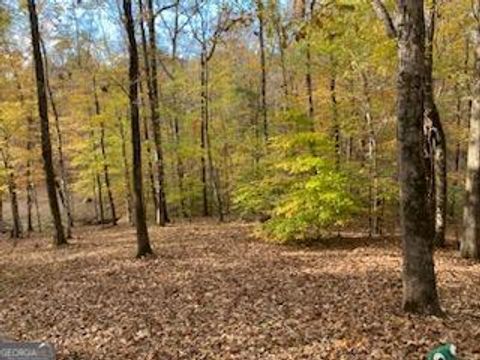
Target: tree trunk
[(98, 186), (29, 196), (180, 167), (143, 241), (17, 230), (29, 187), (309, 85), (203, 136), (103, 150), (2, 225), (212, 171), (263, 65), (336, 125), (436, 138), (146, 64), (126, 173), (60, 238), (282, 45), (63, 188), (419, 282), (37, 208), (374, 218), (470, 244), (157, 127), (308, 75)]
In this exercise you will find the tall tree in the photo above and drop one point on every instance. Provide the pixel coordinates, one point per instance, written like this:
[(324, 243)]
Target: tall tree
[(263, 65), (437, 153), (62, 185), (153, 96), (143, 241), (60, 238), (419, 282), (103, 150), (435, 143), (470, 244)]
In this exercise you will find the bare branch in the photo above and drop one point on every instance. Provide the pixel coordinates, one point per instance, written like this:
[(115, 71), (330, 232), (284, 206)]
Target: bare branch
[(383, 14)]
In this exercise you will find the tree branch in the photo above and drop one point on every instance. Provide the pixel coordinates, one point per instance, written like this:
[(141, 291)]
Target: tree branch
[(383, 14)]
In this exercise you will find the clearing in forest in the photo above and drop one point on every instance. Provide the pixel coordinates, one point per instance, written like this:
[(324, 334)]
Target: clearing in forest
[(214, 292)]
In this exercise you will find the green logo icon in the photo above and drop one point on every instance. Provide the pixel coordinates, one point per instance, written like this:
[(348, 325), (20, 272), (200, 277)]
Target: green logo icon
[(444, 352)]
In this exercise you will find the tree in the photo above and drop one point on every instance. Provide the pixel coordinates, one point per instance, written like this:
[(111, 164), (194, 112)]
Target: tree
[(435, 143), (419, 282), (143, 241), (470, 244), (59, 237)]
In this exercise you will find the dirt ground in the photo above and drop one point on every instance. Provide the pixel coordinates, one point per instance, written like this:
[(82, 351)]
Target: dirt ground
[(214, 292)]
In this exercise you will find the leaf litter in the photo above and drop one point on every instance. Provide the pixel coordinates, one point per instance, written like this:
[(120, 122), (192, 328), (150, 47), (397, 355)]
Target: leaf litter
[(214, 292)]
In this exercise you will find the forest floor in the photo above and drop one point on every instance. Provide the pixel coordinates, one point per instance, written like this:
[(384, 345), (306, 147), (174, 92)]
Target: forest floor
[(214, 292)]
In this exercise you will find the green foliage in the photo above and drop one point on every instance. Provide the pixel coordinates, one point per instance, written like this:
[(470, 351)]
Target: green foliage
[(300, 189)]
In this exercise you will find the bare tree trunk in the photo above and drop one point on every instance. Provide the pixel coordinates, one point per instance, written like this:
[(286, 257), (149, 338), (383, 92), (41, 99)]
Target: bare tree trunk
[(336, 125), (157, 127), (30, 185), (154, 186), (95, 199), (143, 241), (308, 75), (212, 171), (309, 84), (282, 45), (126, 172), (460, 115), (470, 244), (37, 208), (436, 138), (63, 188), (151, 172), (106, 175), (106, 172), (375, 228), (98, 182), (17, 230), (203, 133), (419, 282), (2, 224), (60, 238), (263, 66), (101, 206), (29, 196)]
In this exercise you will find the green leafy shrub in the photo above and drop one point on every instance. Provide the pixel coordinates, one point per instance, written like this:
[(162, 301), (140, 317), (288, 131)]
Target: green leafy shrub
[(299, 188)]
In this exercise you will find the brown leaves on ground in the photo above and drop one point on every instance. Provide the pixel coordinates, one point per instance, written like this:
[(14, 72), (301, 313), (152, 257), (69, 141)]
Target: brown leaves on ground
[(214, 293)]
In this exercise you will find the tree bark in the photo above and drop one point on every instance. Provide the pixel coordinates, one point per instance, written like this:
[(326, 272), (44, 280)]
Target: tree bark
[(263, 66), (126, 172), (98, 186), (336, 125), (419, 282), (60, 238), (206, 143), (103, 150), (17, 230), (203, 132), (148, 79), (143, 241), (436, 138), (374, 217), (157, 126), (2, 225), (470, 244), (63, 189)]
